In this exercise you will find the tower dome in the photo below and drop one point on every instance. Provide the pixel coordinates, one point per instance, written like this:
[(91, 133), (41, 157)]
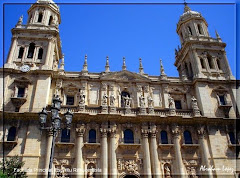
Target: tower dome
[(188, 13)]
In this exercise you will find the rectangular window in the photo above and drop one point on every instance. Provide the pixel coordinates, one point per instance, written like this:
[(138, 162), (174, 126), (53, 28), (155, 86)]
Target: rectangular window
[(222, 100), (178, 104), (70, 100), (21, 92)]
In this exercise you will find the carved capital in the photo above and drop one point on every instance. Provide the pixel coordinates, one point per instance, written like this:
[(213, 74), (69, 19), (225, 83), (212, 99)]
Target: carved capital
[(153, 130), (201, 131), (145, 130), (104, 129), (50, 132), (176, 131), (80, 130)]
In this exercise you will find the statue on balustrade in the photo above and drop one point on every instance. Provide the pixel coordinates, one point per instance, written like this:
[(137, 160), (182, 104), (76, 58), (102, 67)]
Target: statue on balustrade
[(142, 101), (150, 102), (82, 98), (112, 99), (105, 97), (127, 101), (171, 102)]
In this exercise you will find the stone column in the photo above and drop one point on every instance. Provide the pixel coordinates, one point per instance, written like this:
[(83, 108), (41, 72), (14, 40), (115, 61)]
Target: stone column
[(104, 150), (146, 153), (78, 151), (113, 157), (154, 152), (48, 151), (177, 149), (204, 150)]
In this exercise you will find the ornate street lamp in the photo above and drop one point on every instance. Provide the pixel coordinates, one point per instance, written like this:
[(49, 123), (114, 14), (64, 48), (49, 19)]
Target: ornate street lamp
[(55, 126)]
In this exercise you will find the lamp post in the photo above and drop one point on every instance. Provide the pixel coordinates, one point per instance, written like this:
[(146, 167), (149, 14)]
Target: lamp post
[(55, 126)]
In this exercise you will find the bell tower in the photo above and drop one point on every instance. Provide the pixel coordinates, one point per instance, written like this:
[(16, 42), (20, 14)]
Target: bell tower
[(36, 45), (200, 55)]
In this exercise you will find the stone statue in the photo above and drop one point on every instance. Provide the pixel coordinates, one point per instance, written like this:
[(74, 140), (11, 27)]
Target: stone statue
[(171, 102), (20, 20), (167, 171), (127, 101), (112, 99), (105, 97), (142, 101), (194, 103), (90, 173), (150, 102), (82, 98)]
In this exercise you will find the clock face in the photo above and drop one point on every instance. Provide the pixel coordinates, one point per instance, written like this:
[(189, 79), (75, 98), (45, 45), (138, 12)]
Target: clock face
[(25, 68)]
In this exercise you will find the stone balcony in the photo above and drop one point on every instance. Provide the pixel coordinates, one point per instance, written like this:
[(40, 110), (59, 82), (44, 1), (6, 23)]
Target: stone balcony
[(122, 111)]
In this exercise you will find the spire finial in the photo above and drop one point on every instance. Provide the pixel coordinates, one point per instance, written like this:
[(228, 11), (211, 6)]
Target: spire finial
[(124, 67), (140, 66), (217, 35), (186, 8), (107, 67), (85, 66), (20, 20), (162, 72)]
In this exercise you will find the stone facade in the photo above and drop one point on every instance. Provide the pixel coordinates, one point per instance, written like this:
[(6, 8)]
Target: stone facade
[(125, 123)]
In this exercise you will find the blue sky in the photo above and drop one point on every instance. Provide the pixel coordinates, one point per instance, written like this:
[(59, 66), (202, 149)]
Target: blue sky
[(131, 30)]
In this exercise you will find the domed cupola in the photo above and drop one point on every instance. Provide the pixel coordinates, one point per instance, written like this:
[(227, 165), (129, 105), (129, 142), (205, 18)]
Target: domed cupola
[(191, 25)]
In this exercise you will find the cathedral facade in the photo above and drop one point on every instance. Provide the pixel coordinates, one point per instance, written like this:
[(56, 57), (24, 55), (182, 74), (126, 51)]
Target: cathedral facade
[(124, 124)]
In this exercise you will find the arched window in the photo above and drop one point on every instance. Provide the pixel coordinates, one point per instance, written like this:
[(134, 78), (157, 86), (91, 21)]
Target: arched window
[(20, 53), (65, 137), (210, 62), (92, 136), (124, 94), (40, 16), (12, 134), (219, 64), (200, 29), (50, 20), (164, 137), (187, 137), (128, 136), (31, 50), (202, 63), (40, 53), (232, 137), (189, 30)]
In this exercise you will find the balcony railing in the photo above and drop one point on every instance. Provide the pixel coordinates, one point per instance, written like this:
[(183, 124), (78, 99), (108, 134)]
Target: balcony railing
[(122, 111)]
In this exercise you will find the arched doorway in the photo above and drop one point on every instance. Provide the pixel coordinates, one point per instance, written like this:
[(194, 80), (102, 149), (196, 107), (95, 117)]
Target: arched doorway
[(130, 176)]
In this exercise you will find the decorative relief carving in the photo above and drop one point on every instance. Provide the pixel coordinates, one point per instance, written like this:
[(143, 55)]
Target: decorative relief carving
[(176, 130), (62, 167), (131, 166), (80, 130), (201, 131)]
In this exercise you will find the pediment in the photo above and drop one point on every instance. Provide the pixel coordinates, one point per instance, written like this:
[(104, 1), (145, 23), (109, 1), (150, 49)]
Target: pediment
[(125, 76)]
